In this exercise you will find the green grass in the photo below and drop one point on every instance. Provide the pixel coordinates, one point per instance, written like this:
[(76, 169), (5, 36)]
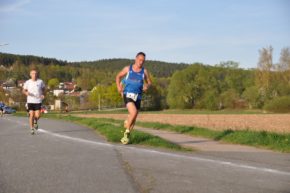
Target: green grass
[(20, 113), (112, 130), (262, 139), (117, 111), (114, 133), (274, 141)]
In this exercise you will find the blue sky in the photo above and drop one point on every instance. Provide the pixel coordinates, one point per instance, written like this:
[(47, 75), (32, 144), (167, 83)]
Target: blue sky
[(187, 31)]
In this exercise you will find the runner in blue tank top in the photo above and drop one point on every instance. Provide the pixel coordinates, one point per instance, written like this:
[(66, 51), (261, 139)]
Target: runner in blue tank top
[(136, 80)]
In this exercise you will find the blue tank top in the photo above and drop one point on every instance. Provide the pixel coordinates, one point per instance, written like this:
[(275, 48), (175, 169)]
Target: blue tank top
[(134, 82)]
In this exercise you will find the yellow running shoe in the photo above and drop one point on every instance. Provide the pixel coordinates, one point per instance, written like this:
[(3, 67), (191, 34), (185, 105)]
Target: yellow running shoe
[(126, 139)]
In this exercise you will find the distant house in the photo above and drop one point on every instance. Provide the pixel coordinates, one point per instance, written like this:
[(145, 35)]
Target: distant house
[(9, 85), (61, 85), (65, 88), (69, 86), (57, 92)]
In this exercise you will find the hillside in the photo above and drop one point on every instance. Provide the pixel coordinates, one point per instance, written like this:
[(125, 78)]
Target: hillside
[(8, 60), (157, 68)]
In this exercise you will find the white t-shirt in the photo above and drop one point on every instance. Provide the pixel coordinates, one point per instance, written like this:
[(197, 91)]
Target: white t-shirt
[(34, 89)]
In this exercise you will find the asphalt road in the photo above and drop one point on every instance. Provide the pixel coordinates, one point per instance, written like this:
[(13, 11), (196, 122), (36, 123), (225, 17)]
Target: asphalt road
[(68, 158)]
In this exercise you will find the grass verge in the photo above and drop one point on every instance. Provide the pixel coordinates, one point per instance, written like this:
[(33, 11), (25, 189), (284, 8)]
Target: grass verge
[(113, 131), (261, 139)]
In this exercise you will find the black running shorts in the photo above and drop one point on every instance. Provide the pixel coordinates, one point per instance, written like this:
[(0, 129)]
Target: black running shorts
[(137, 102), (34, 106)]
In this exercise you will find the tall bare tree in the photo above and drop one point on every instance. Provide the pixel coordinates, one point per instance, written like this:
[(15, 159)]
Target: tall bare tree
[(265, 65), (284, 65)]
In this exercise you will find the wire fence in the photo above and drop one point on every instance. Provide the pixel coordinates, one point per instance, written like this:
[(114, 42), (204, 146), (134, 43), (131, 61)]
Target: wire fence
[(103, 102), (85, 102)]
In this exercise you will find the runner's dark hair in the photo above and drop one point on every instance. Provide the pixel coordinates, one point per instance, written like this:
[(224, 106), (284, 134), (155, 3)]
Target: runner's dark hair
[(141, 53)]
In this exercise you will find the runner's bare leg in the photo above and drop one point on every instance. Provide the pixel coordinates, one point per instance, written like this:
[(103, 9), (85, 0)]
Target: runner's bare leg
[(133, 112), (31, 119)]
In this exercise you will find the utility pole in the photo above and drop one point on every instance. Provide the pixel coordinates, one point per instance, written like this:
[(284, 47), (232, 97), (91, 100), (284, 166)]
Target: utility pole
[(99, 99)]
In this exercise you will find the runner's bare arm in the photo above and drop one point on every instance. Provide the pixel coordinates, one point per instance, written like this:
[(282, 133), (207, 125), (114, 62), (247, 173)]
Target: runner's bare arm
[(147, 81), (119, 76), (25, 92), (43, 93)]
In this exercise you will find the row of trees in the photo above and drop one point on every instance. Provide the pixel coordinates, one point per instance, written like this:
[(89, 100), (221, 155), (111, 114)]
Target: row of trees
[(200, 86), (174, 85), (227, 86)]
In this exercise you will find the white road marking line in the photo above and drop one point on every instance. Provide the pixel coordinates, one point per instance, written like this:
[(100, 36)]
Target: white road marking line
[(227, 163), (74, 138), (168, 154)]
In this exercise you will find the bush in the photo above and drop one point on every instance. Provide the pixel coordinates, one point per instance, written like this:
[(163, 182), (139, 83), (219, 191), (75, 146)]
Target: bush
[(279, 105), (252, 95), (228, 98), (209, 101)]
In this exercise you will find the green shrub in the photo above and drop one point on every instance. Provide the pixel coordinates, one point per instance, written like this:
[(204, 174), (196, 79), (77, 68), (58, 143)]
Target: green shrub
[(209, 101), (279, 105)]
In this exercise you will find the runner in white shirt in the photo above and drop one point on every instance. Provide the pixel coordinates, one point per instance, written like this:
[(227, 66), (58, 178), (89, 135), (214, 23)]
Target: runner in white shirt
[(34, 90)]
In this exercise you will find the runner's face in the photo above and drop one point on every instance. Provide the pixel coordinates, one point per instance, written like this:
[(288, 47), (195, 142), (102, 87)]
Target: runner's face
[(139, 61), (33, 75)]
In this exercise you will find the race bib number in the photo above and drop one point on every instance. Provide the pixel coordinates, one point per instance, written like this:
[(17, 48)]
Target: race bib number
[(132, 96)]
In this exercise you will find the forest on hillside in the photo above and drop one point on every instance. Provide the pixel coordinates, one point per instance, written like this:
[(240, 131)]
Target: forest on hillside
[(157, 68)]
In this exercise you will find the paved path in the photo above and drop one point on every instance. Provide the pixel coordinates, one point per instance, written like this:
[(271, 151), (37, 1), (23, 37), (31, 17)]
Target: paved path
[(65, 157), (197, 143), (200, 143)]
